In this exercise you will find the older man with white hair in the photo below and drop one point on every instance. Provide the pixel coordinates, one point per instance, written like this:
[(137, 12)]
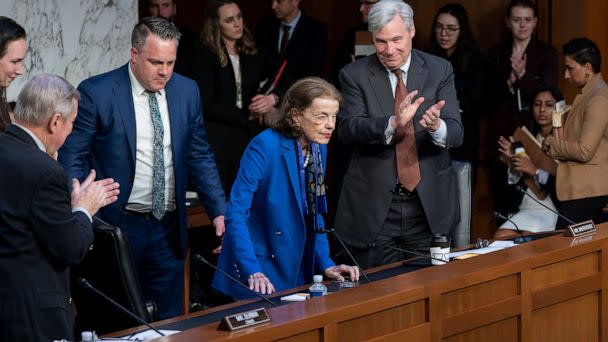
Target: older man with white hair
[(401, 114), (43, 228)]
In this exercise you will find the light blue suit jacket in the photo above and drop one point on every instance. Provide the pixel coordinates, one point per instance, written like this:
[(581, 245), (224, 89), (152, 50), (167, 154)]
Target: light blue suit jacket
[(265, 229), (104, 138)]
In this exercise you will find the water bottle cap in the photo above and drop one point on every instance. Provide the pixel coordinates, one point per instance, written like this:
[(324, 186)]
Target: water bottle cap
[(317, 278)]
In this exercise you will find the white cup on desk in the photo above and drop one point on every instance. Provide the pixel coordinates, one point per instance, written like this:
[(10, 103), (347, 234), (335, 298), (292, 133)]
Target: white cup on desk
[(440, 249)]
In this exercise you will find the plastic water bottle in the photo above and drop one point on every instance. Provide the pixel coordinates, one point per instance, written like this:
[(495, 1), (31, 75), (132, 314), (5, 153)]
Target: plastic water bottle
[(317, 289), (87, 336)]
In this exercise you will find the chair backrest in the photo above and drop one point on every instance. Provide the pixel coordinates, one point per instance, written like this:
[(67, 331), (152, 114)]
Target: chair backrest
[(461, 235), (109, 268)]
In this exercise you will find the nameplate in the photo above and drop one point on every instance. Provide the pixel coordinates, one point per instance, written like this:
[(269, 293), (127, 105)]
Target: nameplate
[(244, 319), (581, 229)]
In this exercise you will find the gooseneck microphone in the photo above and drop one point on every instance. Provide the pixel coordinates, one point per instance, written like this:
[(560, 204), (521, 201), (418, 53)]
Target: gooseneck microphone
[(200, 259), (350, 255), (521, 237), (523, 191), (86, 285), (415, 253)]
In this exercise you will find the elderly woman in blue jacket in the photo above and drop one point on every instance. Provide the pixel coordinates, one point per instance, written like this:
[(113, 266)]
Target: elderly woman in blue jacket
[(275, 236)]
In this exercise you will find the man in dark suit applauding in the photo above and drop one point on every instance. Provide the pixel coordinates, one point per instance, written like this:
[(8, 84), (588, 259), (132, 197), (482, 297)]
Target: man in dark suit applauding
[(43, 230), (143, 125), (294, 37), (401, 114)]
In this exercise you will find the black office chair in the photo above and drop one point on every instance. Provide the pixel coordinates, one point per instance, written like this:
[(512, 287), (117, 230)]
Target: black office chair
[(109, 268)]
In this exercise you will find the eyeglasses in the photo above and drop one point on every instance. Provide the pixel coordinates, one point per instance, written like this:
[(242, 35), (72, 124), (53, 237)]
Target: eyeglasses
[(449, 30), (322, 118)]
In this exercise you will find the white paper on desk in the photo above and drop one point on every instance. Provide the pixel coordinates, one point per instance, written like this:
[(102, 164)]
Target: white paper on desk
[(148, 335), (493, 247)]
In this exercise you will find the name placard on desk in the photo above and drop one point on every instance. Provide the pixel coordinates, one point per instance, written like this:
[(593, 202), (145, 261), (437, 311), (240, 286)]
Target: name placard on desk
[(244, 319), (581, 229)]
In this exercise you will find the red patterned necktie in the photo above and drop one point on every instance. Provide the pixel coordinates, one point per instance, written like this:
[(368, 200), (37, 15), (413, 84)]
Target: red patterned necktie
[(408, 168)]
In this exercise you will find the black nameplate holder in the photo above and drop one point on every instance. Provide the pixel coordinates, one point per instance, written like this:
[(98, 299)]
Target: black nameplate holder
[(581, 229), (244, 319)]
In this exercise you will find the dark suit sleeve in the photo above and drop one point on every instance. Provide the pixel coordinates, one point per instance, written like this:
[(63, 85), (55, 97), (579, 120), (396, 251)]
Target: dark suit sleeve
[(355, 124), (65, 236), (450, 113), (74, 154), (202, 169)]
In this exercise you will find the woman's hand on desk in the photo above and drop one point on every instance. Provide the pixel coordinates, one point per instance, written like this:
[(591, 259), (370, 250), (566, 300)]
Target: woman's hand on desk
[(258, 282), (335, 272)]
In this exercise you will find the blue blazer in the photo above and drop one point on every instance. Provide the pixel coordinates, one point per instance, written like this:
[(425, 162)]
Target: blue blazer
[(104, 139), (265, 230)]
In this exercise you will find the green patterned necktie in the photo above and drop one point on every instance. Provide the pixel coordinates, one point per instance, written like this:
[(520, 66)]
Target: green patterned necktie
[(158, 166)]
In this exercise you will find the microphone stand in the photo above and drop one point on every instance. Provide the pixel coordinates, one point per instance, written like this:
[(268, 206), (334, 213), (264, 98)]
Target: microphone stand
[(200, 259), (334, 233), (521, 190), (521, 237), (85, 284)]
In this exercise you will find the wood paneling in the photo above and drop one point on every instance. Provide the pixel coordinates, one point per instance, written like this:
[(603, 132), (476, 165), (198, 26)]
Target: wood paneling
[(409, 306), (567, 270), (309, 336), (476, 296), (384, 322), (573, 320), (503, 331)]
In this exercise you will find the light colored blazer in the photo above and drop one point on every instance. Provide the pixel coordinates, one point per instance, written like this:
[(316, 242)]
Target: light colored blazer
[(583, 153)]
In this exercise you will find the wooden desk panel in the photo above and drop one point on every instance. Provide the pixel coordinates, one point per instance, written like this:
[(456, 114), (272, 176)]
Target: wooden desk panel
[(552, 289)]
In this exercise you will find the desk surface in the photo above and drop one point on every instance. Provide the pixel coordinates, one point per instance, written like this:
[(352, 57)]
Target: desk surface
[(553, 289)]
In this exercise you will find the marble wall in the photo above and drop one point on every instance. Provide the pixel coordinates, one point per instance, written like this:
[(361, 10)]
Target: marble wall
[(72, 38)]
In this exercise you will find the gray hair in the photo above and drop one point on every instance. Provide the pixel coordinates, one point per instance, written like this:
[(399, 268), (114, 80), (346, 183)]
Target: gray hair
[(160, 27), (384, 11), (42, 96)]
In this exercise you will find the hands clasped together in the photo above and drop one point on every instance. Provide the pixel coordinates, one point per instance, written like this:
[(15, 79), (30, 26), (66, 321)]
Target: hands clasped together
[(431, 119), (258, 282), (93, 195)]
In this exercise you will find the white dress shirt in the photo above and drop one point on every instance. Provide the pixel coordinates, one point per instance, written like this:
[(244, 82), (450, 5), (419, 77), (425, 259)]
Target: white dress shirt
[(141, 194)]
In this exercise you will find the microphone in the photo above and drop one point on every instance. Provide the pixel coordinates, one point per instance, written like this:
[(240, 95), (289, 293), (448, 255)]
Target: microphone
[(523, 191), (333, 231), (200, 259), (85, 284), (521, 237), (415, 253)]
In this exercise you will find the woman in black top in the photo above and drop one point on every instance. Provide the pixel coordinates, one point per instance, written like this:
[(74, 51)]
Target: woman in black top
[(453, 40), (229, 70)]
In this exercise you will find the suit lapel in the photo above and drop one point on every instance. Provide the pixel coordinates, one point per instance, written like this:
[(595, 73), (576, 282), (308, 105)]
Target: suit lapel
[(126, 110), (289, 157), (380, 85), (416, 74), (176, 121)]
